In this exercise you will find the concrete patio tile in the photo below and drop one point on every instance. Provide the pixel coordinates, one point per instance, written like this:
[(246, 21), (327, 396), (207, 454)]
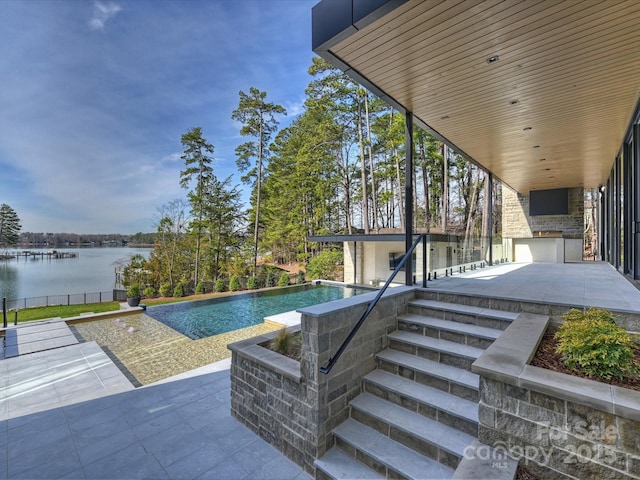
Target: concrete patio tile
[(175, 444), (92, 452), (31, 457), (256, 455), (229, 469), (29, 424), (158, 423), (97, 433), (128, 463), (237, 439), (34, 444), (195, 464), (279, 468), (61, 466)]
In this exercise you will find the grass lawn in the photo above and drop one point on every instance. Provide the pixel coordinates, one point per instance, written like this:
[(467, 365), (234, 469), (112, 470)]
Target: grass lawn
[(64, 311)]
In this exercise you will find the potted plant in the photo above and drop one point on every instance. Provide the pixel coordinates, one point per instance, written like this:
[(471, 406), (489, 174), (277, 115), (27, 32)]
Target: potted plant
[(133, 295)]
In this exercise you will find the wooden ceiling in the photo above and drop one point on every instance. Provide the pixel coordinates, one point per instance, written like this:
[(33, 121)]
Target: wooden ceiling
[(552, 108)]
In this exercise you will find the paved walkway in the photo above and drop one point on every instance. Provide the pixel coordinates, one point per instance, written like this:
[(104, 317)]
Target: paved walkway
[(580, 284), (21, 339), (181, 429)]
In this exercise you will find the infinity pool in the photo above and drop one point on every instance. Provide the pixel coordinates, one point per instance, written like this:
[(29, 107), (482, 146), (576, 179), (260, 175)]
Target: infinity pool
[(204, 318)]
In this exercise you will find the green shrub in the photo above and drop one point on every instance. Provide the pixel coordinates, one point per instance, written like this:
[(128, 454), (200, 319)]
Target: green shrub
[(301, 278), (165, 290), (284, 280), (149, 292), (234, 284), (252, 283), (592, 343), (271, 278), (199, 288), (133, 291), (179, 291), (325, 265), (220, 286)]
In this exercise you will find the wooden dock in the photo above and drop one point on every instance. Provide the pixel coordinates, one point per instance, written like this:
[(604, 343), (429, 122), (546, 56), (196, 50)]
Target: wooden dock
[(38, 255)]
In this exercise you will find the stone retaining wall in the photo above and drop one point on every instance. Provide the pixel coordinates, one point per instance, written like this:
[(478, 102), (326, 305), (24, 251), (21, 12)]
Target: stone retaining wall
[(517, 223), (560, 426), (291, 404)]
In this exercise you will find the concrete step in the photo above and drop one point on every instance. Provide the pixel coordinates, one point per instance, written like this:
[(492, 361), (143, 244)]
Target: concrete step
[(436, 349), (424, 435), (430, 402), (385, 455), (456, 381), (483, 317), (337, 465), (465, 333)]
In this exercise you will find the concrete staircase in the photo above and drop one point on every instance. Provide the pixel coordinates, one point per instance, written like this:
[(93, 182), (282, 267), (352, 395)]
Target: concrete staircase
[(419, 409)]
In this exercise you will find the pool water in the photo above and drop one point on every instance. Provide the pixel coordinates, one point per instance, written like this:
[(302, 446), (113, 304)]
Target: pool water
[(204, 318)]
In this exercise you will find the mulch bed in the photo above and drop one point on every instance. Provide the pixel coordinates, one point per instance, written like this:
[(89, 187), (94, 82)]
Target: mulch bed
[(523, 473), (546, 357)]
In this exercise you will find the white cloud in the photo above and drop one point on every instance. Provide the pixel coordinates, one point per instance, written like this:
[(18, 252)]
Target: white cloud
[(102, 12)]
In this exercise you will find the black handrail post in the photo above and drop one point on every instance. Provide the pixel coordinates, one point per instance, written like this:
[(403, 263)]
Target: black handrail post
[(332, 361), (408, 193), (424, 261), (4, 312)]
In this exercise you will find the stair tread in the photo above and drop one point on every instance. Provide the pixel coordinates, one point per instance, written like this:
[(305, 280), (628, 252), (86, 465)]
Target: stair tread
[(429, 367), (468, 309), (389, 452), (445, 437), (341, 466), (436, 344), (424, 394), (451, 326)]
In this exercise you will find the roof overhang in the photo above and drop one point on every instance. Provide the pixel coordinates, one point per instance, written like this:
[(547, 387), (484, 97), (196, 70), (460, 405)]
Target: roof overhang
[(539, 92)]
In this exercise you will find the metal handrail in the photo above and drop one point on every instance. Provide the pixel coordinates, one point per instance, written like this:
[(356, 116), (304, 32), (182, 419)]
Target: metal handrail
[(332, 361)]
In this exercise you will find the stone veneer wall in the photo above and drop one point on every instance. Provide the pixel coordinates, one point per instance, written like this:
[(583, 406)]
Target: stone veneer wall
[(291, 404), (516, 222), (559, 426)]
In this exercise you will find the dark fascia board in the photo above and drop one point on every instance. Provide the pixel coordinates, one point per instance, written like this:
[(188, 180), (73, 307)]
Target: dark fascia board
[(372, 237), (378, 237), (335, 20)]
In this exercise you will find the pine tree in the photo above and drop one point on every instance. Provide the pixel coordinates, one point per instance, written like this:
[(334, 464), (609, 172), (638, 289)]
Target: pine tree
[(198, 167), (258, 121), (9, 226)]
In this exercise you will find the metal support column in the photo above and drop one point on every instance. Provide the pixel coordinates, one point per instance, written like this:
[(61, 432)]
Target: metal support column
[(635, 192), (408, 195), (490, 219)]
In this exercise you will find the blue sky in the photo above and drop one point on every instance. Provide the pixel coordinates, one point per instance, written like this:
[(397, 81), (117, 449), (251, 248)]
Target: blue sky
[(95, 95)]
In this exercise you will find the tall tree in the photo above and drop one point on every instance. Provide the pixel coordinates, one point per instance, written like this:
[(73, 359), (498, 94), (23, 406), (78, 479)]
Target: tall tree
[(198, 167), (9, 226), (168, 259), (258, 118), (222, 215)]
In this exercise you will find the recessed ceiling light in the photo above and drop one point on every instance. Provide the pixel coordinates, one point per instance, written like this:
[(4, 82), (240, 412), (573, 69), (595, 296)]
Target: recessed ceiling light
[(515, 101), (526, 129), (444, 117), (493, 59)]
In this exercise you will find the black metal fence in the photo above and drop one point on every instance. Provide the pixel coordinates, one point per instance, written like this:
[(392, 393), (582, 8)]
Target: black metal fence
[(69, 299)]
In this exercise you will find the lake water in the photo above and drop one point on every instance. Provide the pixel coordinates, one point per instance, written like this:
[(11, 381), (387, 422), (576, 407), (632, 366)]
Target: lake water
[(92, 270)]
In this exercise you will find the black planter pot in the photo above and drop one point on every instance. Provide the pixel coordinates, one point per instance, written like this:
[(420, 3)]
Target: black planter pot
[(133, 301)]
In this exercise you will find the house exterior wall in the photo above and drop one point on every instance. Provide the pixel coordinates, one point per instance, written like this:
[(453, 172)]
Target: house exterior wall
[(524, 236)]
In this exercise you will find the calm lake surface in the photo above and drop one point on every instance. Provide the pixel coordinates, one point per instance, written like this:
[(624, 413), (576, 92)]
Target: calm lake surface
[(92, 270)]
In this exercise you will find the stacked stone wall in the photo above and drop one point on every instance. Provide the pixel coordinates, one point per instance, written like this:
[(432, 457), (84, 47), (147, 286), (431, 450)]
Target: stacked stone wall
[(292, 405), (556, 438), (517, 223)]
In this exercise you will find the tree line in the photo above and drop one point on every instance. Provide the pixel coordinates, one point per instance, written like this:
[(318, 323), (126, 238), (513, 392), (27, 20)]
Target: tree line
[(339, 167)]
